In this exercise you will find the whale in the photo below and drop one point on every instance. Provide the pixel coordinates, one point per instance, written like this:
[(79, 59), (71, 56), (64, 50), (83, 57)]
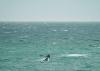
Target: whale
[(45, 59)]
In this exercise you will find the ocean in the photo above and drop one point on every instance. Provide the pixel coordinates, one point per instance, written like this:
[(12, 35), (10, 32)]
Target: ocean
[(73, 46)]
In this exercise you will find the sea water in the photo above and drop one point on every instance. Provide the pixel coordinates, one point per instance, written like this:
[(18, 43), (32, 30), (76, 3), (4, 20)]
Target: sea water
[(73, 46)]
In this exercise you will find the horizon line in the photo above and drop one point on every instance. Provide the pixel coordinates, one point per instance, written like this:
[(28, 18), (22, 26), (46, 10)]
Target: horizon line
[(50, 21)]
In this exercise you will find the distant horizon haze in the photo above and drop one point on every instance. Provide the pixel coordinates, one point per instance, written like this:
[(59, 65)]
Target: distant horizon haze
[(50, 10)]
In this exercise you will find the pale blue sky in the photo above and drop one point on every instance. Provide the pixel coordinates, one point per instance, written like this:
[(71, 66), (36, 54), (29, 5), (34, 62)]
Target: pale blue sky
[(49, 10)]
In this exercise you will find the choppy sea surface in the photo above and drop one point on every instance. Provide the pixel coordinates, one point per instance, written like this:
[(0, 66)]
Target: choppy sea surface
[(72, 46)]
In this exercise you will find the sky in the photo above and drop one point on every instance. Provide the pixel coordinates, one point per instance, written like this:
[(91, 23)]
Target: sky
[(49, 10)]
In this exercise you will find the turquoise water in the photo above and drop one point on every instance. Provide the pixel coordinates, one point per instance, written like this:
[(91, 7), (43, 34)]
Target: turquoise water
[(72, 46)]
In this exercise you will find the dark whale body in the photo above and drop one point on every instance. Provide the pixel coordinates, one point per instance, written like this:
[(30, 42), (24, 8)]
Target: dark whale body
[(47, 57)]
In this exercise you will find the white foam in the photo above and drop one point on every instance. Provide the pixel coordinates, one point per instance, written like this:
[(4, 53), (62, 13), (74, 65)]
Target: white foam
[(65, 30), (40, 60), (74, 55)]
